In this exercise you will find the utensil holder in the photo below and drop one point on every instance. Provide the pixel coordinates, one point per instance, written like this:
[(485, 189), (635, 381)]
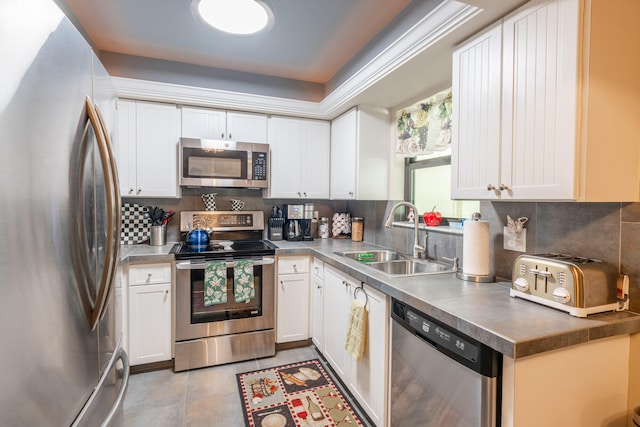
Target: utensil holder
[(158, 235)]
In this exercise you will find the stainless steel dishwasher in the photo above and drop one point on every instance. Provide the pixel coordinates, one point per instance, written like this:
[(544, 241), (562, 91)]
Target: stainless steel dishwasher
[(439, 376)]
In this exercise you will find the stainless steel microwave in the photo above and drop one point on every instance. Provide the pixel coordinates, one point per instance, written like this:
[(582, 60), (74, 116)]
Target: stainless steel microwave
[(220, 163)]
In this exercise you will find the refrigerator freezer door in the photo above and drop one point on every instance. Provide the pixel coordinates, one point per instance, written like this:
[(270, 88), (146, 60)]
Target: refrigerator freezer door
[(105, 407), (50, 355)]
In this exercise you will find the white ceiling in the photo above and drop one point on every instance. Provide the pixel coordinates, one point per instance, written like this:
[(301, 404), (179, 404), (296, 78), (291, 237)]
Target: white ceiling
[(310, 41)]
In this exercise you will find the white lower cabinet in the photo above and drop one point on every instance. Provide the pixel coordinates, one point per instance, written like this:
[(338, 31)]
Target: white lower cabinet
[(367, 378), (317, 295), (292, 318), (149, 301)]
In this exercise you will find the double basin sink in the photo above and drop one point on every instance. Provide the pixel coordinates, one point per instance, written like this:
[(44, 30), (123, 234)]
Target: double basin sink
[(394, 264)]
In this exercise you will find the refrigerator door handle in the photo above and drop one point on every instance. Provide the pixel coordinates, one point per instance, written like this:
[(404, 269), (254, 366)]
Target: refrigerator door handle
[(114, 223), (107, 274), (122, 355), (88, 415)]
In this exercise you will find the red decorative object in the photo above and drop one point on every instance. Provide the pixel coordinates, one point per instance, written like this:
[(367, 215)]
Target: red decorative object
[(432, 218)]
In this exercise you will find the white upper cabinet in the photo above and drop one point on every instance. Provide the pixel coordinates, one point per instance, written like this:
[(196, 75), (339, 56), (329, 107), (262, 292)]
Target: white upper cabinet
[(147, 149), (299, 158), (316, 146), (569, 86), (539, 109), (247, 127), (207, 123), (361, 153), (475, 157)]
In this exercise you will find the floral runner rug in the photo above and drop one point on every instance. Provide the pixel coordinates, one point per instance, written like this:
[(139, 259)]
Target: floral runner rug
[(294, 395)]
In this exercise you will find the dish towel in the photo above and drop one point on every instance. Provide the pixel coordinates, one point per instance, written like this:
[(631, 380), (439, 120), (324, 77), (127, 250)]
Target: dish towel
[(243, 289), (215, 283), (356, 330)]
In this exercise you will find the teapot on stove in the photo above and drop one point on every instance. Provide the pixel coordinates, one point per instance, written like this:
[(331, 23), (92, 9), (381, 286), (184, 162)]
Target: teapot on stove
[(198, 238)]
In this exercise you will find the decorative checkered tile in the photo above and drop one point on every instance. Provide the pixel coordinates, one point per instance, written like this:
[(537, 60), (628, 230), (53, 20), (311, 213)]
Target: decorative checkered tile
[(135, 227)]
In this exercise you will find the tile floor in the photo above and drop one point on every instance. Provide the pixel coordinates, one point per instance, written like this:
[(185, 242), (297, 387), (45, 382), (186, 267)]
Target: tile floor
[(202, 397)]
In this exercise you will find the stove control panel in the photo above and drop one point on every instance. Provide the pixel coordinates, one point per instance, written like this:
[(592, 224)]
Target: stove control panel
[(222, 220)]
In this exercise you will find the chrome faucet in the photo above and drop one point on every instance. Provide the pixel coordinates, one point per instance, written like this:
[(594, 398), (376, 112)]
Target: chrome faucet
[(417, 249)]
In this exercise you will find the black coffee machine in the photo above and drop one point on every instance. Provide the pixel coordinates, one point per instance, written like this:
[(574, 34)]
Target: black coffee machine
[(297, 222)]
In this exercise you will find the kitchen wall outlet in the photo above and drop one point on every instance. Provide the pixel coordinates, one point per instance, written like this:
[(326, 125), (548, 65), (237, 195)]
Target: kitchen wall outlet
[(515, 241)]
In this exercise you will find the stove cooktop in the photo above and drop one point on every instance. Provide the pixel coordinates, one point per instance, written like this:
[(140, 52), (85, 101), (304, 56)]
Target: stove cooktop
[(237, 249)]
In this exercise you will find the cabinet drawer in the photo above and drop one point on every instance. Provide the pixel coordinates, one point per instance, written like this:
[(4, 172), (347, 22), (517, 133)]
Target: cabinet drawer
[(318, 268), (293, 264), (146, 274)]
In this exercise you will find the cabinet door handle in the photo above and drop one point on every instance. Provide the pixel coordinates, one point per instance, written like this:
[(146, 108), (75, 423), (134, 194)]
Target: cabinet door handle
[(282, 284), (131, 191), (299, 195), (230, 136), (503, 187), (305, 194), (139, 191), (222, 135), (490, 187)]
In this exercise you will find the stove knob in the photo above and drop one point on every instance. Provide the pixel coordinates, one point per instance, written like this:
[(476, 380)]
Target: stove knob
[(521, 284), (561, 295)]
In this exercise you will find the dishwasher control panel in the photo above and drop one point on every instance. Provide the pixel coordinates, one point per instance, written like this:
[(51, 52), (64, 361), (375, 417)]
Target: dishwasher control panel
[(441, 336), (445, 339)]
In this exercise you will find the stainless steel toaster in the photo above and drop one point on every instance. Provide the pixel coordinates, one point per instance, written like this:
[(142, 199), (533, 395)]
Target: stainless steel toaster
[(577, 285)]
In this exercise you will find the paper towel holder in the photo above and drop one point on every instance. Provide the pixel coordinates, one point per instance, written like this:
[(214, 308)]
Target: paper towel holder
[(474, 278), (460, 274)]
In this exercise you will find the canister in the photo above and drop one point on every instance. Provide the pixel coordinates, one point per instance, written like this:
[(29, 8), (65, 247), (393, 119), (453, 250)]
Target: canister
[(357, 228), (158, 235), (323, 228)]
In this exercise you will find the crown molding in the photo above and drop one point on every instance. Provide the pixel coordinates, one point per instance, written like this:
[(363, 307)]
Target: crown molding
[(441, 21)]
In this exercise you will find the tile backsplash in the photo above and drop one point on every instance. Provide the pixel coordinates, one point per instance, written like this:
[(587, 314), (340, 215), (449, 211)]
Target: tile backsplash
[(606, 231)]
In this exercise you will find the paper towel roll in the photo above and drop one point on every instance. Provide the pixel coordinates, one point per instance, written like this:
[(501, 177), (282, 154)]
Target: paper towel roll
[(475, 248)]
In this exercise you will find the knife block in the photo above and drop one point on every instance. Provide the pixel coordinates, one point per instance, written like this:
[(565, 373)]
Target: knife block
[(275, 229)]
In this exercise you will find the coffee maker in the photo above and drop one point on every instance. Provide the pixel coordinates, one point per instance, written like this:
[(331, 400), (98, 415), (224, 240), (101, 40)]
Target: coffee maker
[(297, 222)]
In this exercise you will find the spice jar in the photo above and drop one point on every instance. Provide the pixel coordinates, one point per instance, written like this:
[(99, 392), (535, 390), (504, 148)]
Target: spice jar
[(357, 228)]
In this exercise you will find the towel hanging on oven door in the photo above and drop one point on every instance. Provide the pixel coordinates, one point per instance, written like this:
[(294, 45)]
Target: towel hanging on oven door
[(243, 288), (215, 283)]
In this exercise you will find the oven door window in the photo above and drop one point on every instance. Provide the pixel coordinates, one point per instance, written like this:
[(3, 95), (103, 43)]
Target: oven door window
[(221, 164), (225, 311)]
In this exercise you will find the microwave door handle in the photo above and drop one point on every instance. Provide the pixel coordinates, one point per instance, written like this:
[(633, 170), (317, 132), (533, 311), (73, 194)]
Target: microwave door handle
[(186, 265)]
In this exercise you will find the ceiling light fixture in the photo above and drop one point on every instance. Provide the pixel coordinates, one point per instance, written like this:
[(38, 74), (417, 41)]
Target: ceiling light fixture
[(240, 17)]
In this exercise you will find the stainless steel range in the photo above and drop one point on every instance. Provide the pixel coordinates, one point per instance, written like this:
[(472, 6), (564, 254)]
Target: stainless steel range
[(209, 333)]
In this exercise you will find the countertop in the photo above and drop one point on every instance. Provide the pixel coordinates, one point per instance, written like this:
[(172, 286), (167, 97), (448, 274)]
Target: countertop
[(484, 311), (146, 253)]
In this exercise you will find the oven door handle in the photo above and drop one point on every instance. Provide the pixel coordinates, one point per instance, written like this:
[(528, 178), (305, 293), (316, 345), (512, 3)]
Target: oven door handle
[(187, 265)]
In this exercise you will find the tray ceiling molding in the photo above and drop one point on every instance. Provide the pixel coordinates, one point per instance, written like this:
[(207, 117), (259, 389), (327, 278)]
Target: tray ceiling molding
[(443, 19)]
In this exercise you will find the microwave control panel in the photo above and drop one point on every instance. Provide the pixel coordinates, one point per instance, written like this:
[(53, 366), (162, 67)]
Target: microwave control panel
[(260, 166)]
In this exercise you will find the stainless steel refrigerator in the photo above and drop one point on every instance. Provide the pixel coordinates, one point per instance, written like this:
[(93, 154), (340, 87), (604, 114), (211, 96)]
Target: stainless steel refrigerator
[(61, 362)]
